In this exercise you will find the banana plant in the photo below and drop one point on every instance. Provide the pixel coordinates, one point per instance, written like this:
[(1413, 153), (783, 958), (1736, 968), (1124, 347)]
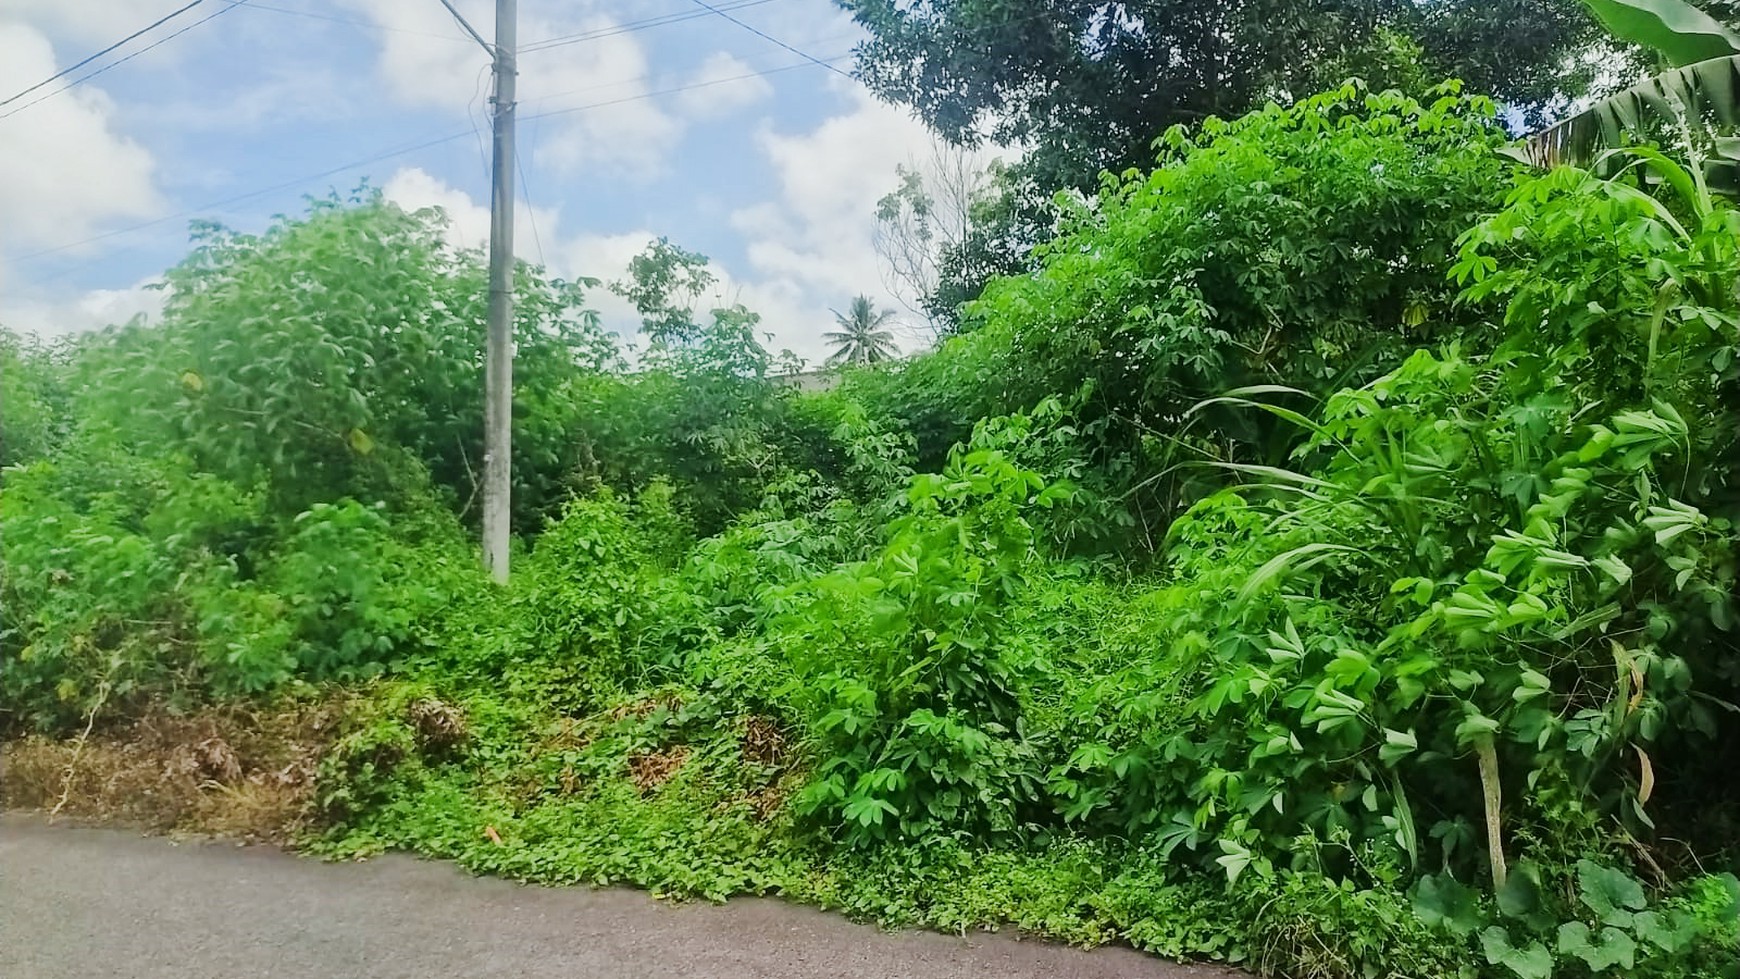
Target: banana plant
[(1700, 90)]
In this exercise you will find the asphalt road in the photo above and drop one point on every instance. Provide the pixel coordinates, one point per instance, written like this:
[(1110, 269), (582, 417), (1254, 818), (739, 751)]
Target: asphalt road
[(89, 903)]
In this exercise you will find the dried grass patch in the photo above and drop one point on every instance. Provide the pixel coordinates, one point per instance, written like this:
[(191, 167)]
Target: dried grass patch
[(228, 771), (654, 768)]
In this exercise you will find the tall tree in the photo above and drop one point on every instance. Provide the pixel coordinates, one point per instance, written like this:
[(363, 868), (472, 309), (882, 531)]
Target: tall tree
[(925, 218), (863, 336), (1086, 85)]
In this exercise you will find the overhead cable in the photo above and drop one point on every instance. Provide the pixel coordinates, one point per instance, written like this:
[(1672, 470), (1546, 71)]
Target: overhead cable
[(121, 61), (166, 18), (761, 34)]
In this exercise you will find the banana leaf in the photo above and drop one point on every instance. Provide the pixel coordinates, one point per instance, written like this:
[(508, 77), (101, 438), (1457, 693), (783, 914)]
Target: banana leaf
[(1683, 34), (1703, 94)]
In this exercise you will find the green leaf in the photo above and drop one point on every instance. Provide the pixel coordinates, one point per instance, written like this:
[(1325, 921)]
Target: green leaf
[(1520, 896), (1294, 559), (1677, 29), (1441, 901), (1601, 951), (1532, 684), (360, 442), (1671, 935), (1611, 893), (866, 810), (1234, 858), (1614, 568), (1397, 745), (1533, 962), (1474, 727), (1707, 88)]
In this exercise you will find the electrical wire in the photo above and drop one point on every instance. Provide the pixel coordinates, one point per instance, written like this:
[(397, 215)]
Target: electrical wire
[(531, 213), (807, 62), (762, 34), (358, 22), (286, 185), (477, 106), (76, 66), (626, 27), (389, 154), (631, 26), (541, 99), (121, 61)]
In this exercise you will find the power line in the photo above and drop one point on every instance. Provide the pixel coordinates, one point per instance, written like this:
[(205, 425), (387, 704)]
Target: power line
[(121, 61), (357, 22), (531, 215), (472, 106), (75, 67), (644, 77), (761, 34), (807, 62), (626, 27), (401, 151), (631, 26)]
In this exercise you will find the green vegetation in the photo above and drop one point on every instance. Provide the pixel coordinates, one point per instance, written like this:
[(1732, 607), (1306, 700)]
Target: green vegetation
[(1326, 562), (1086, 86), (1692, 98)]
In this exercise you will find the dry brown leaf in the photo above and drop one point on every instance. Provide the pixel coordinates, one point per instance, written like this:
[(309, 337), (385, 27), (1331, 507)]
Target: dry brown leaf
[(1646, 776)]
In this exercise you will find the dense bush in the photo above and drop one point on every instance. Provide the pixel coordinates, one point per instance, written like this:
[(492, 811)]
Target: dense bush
[(128, 579), (35, 415), (1303, 246), (326, 355), (1435, 674)]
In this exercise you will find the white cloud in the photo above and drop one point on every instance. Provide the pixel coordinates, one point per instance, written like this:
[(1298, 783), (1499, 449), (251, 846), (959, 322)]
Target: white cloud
[(426, 61), (726, 87), (91, 311), (413, 188), (93, 20), (65, 173), (605, 257), (816, 239)]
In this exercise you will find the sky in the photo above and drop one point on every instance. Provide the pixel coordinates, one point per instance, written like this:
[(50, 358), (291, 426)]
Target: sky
[(690, 127)]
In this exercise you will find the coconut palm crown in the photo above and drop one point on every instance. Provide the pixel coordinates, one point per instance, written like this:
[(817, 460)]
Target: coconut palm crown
[(863, 336)]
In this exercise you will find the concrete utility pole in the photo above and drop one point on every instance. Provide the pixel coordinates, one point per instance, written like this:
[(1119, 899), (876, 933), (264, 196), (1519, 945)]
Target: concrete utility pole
[(499, 353)]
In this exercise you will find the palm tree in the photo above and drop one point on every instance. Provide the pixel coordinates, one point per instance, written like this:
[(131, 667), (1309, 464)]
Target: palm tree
[(863, 336)]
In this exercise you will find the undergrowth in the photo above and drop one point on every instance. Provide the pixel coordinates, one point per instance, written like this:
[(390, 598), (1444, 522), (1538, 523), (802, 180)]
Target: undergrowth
[(1325, 657)]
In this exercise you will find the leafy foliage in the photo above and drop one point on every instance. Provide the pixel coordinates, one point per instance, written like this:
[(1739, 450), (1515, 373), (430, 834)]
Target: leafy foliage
[(1305, 247), (1693, 99), (1683, 33), (1429, 668), (327, 353), (35, 419), (1088, 88)]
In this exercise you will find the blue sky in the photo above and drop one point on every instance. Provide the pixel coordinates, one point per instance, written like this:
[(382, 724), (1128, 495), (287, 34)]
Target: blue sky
[(775, 177)]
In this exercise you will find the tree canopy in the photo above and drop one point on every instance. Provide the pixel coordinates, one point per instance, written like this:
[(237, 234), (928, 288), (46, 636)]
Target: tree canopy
[(1087, 86)]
